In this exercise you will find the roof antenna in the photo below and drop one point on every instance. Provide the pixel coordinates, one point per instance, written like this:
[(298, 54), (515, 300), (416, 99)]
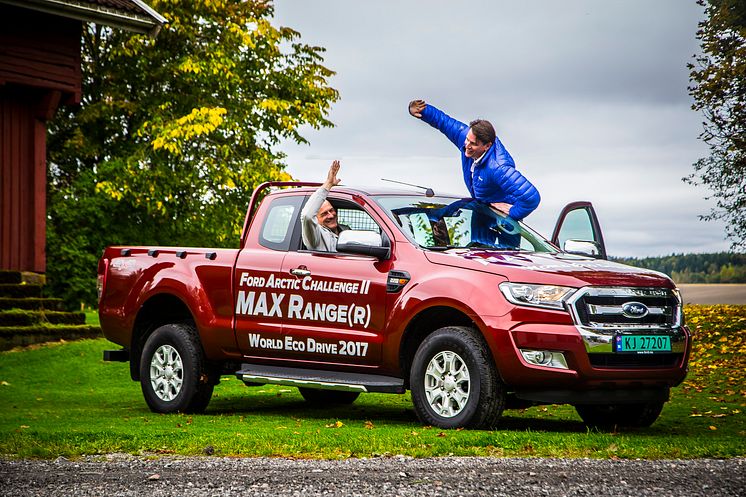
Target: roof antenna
[(428, 191)]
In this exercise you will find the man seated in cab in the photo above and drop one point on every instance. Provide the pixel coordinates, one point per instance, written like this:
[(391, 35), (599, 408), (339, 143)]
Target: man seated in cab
[(319, 217)]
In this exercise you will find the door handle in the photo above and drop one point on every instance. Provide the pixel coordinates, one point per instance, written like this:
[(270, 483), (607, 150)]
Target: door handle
[(300, 272)]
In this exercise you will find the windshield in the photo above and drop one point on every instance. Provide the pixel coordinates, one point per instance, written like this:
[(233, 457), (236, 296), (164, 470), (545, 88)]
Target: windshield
[(441, 223)]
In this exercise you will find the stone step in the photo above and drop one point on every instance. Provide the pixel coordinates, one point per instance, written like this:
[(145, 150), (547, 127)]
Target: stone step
[(22, 277), (10, 277), (31, 303), (20, 336), (31, 318), (20, 291)]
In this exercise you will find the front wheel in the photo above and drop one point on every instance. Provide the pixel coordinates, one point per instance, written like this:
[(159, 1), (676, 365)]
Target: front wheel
[(454, 381), (173, 373), (620, 415)]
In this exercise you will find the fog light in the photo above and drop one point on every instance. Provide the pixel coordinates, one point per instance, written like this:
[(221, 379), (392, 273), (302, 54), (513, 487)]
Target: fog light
[(547, 358)]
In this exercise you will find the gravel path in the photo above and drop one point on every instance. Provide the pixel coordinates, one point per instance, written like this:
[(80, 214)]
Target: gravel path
[(123, 475)]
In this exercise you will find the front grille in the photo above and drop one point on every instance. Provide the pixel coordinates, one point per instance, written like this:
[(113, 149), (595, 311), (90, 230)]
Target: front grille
[(603, 313), (611, 307), (634, 361)]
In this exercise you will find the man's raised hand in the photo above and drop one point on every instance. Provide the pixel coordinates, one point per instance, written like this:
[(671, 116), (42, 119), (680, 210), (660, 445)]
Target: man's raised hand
[(416, 107), (331, 177)]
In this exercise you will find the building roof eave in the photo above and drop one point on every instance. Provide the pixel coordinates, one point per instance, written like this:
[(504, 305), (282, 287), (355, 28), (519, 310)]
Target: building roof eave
[(150, 23)]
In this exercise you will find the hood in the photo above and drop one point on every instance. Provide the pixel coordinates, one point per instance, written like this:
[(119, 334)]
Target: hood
[(556, 269)]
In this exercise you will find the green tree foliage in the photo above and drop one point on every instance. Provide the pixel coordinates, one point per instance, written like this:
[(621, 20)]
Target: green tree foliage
[(174, 133), (719, 90), (723, 267)]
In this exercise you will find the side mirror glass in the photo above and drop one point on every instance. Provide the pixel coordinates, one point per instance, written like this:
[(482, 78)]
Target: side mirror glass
[(582, 247), (362, 242)]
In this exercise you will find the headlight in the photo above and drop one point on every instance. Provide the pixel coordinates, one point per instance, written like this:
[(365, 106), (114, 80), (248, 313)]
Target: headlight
[(547, 296)]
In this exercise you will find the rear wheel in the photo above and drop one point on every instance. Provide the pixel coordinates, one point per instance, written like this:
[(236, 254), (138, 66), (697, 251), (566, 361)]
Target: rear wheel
[(454, 381), (173, 372), (328, 397), (623, 415)]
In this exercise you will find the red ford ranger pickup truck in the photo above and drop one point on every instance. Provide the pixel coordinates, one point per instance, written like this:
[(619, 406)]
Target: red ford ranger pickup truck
[(471, 311)]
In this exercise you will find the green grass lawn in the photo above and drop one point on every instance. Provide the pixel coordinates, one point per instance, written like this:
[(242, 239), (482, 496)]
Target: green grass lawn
[(63, 400), (91, 317)]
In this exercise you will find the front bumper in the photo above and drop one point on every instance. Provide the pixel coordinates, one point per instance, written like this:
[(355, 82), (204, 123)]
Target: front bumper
[(591, 363)]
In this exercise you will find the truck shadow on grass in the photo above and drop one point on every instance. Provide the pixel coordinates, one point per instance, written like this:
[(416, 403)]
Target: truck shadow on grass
[(391, 414)]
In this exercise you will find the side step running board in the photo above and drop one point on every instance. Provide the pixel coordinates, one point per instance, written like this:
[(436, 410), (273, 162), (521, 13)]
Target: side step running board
[(314, 378)]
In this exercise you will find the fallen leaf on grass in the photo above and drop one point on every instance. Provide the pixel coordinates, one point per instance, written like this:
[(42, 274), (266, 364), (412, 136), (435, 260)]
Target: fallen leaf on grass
[(441, 434), (338, 424), (4, 383), (713, 428), (369, 425)]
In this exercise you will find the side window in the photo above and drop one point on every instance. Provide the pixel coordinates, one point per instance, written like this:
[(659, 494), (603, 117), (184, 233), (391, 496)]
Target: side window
[(277, 228), (357, 219), (578, 222), (577, 226)]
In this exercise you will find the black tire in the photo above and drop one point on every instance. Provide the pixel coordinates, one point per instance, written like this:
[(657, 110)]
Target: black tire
[(178, 380), (473, 402), (609, 417), (319, 397)]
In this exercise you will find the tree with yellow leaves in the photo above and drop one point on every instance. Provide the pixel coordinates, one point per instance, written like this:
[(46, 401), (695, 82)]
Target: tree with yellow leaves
[(175, 132)]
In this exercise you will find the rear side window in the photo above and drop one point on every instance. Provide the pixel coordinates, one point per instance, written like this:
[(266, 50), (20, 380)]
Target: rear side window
[(277, 229), (357, 219)]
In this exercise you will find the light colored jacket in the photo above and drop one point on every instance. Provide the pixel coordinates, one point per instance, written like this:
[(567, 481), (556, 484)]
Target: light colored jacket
[(315, 236)]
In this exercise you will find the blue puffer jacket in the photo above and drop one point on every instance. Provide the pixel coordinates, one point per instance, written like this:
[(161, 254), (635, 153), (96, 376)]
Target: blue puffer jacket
[(495, 178)]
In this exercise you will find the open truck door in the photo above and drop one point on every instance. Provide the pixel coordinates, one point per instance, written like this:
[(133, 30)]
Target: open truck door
[(578, 231)]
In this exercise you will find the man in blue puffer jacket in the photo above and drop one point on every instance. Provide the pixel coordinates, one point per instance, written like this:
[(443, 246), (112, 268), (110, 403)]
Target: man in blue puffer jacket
[(489, 171)]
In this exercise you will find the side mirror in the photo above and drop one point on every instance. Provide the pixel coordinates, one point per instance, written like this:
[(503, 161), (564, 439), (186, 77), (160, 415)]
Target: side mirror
[(582, 247), (364, 243)]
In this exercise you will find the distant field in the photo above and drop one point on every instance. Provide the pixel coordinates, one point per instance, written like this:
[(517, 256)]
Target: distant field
[(714, 294)]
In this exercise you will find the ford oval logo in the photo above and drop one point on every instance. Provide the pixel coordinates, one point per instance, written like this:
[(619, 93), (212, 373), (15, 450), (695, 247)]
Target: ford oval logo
[(635, 310)]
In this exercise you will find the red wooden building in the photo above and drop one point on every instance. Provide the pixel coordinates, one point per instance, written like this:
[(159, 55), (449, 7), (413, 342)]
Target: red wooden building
[(39, 71)]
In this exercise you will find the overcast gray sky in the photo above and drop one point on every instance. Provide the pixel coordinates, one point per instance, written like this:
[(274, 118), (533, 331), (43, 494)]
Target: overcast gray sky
[(588, 96)]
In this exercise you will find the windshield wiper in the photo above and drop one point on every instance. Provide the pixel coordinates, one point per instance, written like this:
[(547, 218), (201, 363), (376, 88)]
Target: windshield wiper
[(439, 248)]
